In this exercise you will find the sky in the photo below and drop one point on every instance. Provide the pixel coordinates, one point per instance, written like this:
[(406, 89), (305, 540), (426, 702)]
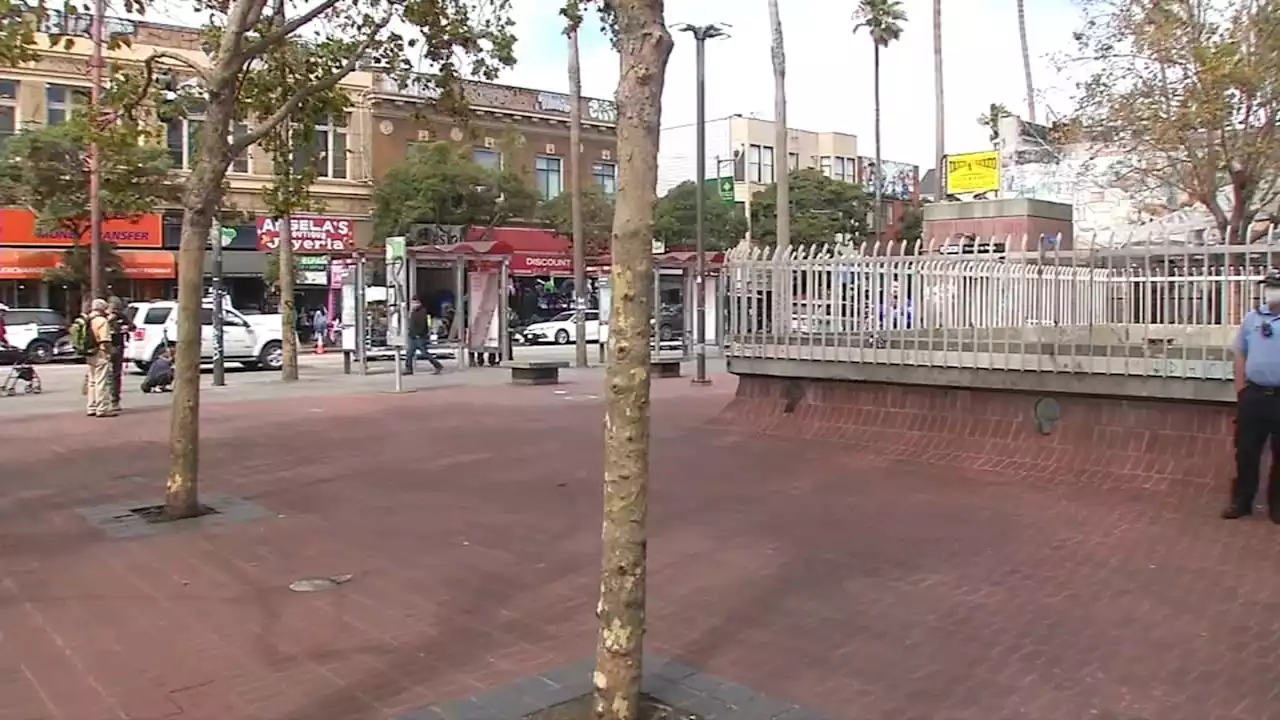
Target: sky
[(829, 70)]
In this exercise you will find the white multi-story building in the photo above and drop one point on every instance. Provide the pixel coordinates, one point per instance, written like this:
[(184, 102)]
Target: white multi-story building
[(744, 148)]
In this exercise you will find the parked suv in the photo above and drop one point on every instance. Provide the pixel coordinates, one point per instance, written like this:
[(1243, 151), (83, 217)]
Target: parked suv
[(253, 341), (40, 332)]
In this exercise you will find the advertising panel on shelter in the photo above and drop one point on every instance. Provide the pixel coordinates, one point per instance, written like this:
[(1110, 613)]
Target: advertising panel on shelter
[(972, 173)]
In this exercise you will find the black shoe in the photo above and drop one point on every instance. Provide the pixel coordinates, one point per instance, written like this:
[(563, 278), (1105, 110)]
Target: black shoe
[(437, 371), (1274, 513), (1235, 512)]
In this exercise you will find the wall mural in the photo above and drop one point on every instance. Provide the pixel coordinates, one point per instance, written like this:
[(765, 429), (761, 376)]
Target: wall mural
[(1105, 207), (899, 181)]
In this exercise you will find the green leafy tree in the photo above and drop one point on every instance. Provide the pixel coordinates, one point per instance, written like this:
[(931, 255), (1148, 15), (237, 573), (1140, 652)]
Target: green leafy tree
[(1188, 96), (912, 228), (46, 170), (675, 217), (295, 159), (597, 217), (243, 38), (882, 19), (440, 184), (821, 209)]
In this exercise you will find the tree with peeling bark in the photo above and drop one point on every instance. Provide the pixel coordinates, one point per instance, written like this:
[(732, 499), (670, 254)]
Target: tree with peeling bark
[(645, 46), (1189, 94), (781, 140), (244, 38)]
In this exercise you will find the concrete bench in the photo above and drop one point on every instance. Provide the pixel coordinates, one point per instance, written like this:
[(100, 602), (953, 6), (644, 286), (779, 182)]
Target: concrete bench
[(545, 372), (664, 368)]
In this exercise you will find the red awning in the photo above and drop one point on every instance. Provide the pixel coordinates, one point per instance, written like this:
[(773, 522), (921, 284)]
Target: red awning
[(522, 239)]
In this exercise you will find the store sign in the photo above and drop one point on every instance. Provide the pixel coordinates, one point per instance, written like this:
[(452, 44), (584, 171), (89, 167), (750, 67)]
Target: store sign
[(313, 270), (310, 235), (541, 264), (18, 228)]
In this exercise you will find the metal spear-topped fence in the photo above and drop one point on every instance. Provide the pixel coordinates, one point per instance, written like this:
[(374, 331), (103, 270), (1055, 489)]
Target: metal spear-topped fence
[(1164, 309)]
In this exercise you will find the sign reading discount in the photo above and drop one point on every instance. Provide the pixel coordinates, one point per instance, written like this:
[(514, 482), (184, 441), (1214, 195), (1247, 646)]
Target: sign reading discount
[(971, 173)]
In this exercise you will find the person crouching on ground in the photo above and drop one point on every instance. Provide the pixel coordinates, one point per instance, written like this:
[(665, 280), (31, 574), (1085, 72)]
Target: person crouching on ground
[(160, 373), (1257, 384)]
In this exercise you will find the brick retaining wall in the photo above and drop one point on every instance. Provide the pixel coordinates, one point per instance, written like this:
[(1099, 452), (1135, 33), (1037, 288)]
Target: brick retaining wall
[(1133, 444)]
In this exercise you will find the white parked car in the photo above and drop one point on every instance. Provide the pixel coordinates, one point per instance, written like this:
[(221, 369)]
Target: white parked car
[(39, 332), (254, 341), (561, 329)]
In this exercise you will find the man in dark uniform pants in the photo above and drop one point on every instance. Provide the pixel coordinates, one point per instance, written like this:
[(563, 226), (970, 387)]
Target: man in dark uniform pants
[(120, 330), (1257, 381)]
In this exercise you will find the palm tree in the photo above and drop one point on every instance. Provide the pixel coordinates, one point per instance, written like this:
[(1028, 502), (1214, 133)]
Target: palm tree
[(991, 120), (1026, 61), (939, 107), (782, 155), (882, 19), (573, 17)]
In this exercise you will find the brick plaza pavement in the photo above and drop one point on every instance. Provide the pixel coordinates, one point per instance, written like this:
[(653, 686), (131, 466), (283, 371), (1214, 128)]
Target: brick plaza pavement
[(862, 588)]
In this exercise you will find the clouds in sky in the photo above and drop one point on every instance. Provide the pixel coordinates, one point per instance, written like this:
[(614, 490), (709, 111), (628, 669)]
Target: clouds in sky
[(829, 70)]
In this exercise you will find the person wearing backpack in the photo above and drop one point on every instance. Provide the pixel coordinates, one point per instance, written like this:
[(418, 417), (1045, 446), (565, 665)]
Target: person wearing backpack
[(91, 337)]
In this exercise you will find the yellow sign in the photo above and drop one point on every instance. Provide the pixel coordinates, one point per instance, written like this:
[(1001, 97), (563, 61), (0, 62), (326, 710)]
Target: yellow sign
[(977, 172)]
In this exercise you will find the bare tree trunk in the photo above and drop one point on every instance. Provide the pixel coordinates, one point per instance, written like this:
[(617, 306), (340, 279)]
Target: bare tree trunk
[(879, 173), (1026, 61), (203, 196), (939, 111), (782, 180), (575, 200), (645, 46), (288, 313)]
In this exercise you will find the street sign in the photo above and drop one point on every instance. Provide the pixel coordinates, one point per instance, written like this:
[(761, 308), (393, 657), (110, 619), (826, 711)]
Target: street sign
[(727, 190)]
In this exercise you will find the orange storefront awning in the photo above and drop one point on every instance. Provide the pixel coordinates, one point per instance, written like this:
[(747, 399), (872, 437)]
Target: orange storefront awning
[(27, 264), (137, 264), (148, 265)]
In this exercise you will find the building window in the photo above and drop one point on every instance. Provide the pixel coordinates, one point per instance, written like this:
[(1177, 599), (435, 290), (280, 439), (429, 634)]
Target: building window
[(606, 176), (182, 135), (8, 109), (329, 153), (548, 176), (845, 169), (839, 168), (486, 158), (793, 161), (760, 164), (62, 100)]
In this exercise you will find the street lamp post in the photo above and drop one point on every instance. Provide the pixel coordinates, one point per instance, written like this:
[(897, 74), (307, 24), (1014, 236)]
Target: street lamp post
[(96, 63), (700, 35), (219, 339)]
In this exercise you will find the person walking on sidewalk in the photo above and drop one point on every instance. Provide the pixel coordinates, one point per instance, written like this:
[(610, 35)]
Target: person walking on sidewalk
[(320, 326), (420, 339), (1257, 384), (91, 334)]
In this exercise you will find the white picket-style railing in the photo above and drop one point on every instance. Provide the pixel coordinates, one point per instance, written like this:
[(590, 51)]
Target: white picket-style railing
[(1158, 309)]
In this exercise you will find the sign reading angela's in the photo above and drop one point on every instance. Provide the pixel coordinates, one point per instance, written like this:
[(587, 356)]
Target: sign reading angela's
[(312, 235)]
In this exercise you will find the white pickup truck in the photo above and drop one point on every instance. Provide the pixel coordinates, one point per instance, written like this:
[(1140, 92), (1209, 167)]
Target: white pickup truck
[(255, 341)]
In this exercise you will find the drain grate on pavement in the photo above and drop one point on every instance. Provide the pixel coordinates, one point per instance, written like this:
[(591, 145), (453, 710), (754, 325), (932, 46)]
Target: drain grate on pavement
[(671, 683), (155, 513), (142, 518)]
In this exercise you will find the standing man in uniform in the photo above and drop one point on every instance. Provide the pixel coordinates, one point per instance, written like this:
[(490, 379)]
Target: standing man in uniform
[(120, 329), (1257, 383)]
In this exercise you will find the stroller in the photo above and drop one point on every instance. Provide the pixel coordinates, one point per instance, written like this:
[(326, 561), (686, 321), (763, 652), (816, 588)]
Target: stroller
[(21, 373)]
